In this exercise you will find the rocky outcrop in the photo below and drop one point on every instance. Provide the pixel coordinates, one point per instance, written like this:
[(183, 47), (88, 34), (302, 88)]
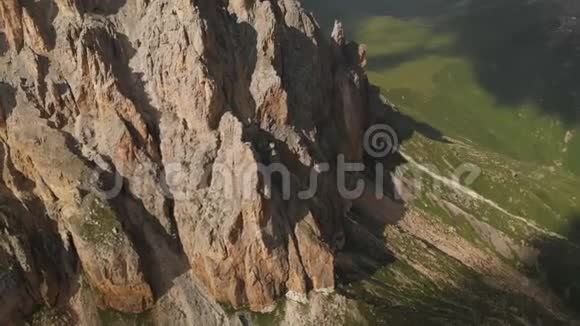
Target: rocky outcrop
[(140, 142)]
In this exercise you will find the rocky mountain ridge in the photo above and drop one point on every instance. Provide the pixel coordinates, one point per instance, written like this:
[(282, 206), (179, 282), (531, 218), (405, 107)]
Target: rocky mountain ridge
[(123, 125)]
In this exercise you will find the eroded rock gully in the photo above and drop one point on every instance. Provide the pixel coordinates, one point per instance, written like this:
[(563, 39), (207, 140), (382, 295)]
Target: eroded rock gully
[(171, 106)]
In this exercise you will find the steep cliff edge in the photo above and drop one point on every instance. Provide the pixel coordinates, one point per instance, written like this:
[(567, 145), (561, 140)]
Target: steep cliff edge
[(133, 135)]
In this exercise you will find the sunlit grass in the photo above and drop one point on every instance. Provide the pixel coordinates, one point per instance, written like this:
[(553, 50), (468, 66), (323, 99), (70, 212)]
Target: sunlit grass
[(419, 72), (389, 36)]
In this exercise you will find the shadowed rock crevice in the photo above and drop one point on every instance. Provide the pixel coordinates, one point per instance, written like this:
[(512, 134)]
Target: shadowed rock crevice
[(44, 12), (4, 47), (7, 101), (100, 7), (161, 254), (48, 267), (132, 85)]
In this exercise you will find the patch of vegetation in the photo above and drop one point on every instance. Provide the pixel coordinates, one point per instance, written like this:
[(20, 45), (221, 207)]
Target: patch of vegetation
[(4, 269), (401, 294), (272, 318), (115, 318), (49, 316), (99, 223), (573, 151), (253, 318), (6, 266)]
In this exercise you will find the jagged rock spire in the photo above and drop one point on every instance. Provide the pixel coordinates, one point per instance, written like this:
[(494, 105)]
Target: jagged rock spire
[(338, 33)]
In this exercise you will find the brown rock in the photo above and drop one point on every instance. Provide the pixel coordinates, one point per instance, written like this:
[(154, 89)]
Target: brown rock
[(110, 262), (144, 131), (33, 35), (11, 13)]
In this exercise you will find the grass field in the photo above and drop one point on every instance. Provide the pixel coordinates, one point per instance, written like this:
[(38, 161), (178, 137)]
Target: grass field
[(485, 71)]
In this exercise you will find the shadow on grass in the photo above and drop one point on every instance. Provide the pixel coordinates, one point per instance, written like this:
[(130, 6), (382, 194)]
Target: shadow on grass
[(471, 301), (529, 54), (559, 264), (365, 252), (522, 52)]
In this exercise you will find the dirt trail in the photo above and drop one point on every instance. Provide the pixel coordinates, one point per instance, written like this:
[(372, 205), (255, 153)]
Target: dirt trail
[(474, 195)]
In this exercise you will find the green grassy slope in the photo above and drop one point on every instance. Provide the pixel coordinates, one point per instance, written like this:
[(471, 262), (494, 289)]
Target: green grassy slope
[(499, 80)]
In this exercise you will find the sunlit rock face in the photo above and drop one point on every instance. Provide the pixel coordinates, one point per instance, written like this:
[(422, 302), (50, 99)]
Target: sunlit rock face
[(132, 134)]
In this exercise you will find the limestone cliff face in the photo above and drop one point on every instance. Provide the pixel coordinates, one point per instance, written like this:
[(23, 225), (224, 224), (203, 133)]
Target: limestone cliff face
[(132, 134)]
